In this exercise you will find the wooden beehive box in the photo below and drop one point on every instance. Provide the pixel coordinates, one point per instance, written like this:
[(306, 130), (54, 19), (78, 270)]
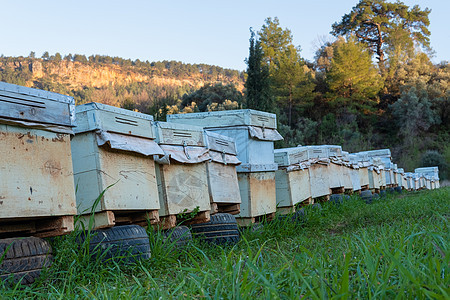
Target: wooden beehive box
[(318, 172), (254, 133), (36, 178), (113, 152), (182, 174), (292, 178), (222, 176)]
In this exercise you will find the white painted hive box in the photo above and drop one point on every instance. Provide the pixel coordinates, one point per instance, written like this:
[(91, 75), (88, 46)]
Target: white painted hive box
[(182, 173), (113, 152), (292, 177), (36, 178)]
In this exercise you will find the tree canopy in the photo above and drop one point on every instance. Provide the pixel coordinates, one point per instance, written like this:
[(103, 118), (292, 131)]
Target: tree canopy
[(373, 22)]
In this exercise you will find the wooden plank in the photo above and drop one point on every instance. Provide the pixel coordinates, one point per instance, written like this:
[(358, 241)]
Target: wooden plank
[(286, 210), (104, 219)]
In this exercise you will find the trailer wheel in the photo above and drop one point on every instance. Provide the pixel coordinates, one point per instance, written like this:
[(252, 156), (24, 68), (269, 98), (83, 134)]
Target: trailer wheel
[(180, 235), (128, 243), (24, 258), (221, 229)]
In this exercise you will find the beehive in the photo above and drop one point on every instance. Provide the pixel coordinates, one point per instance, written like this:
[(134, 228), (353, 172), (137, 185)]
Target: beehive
[(222, 176), (113, 152), (36, 178), (292, 177), (181, 174), (254, 133)]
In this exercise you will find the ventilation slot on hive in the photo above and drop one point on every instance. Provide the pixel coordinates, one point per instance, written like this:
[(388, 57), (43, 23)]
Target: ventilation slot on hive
[(126, 121)]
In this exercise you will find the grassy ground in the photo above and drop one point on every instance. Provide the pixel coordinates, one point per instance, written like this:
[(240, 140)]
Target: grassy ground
[(397, 247)]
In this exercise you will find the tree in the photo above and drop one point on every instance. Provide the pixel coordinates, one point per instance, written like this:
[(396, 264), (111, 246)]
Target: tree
[(209, 94), (274, 40), (257, 86), (32, 54), (351, 73), (45, 56), (374, 21), (291, 81), (413, 115)]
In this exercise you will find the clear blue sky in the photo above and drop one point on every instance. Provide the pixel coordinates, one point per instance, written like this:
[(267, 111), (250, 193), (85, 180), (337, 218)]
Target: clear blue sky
[(194, 31)]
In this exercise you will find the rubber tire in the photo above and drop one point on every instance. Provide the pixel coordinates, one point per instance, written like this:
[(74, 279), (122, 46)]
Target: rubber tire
[(398, 189), (127, 243), (390, 190), (346, 197), (297, 217), (336, 199), (221, 229), (180, 235), (376, 196), (382, 193), (366, 194), (316, 206), (25, 258)]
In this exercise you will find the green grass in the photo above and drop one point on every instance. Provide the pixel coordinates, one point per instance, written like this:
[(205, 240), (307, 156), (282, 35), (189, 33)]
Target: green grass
[(397, 247)]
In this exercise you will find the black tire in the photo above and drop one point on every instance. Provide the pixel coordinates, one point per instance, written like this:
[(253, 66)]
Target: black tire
[(221, 229), (398, 189), (316, 206), (180, 235), (297, 217), (366, 194), (346, 197), (376, 196), (128, 243), (382, 193), (24, 258), (390, 190), (336, 199)]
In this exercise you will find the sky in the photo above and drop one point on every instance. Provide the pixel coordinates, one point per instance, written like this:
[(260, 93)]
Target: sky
[(194, 31)]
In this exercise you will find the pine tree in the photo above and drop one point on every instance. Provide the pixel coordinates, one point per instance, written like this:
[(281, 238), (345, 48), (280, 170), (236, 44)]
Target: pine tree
[(257, 85)]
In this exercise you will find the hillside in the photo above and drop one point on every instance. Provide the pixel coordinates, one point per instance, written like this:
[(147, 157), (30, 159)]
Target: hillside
[(115, 81)]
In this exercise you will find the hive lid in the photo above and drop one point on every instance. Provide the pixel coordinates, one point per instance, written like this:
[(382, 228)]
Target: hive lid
[(220, 143), (35, 106), (295, 155), (178, 134), (96, 116), (227, 118), (333, 150), (378, 153)]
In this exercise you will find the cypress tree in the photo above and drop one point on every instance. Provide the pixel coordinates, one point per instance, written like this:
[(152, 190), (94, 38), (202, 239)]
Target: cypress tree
[(257, 86)]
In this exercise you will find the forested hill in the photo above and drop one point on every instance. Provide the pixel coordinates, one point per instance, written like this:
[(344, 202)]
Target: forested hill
[(145, 86)]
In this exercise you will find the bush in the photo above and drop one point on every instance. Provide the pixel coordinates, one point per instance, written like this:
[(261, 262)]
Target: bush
[(432, 158)]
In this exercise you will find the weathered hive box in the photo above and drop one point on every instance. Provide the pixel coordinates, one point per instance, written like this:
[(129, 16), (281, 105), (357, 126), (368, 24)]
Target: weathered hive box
[(36, 178), (409, 181), (335, 168), (292, 178), (318, 171), (416, 180), (222, 176), (113, 152), (401, 178), (364, 163), (354, 172), (181, 173), (254, 133), (385, 156)]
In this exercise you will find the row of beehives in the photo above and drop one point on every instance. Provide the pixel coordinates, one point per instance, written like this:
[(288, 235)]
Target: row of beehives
[(58, 161)]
